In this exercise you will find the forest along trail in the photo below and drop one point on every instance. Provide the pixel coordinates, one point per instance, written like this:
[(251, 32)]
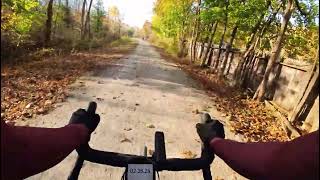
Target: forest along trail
[(136, 97)]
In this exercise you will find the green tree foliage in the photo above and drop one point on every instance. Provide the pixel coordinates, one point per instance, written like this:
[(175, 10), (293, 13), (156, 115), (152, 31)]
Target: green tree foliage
[(286, 29), (19, 18), (28, 25), (249, 16), (303, 32), (171, 19), (97, 16)]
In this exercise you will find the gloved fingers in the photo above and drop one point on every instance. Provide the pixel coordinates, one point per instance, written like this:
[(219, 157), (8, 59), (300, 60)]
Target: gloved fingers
[(200, 127), (200, 130), (80, 111), (93, 122), (97, 117)]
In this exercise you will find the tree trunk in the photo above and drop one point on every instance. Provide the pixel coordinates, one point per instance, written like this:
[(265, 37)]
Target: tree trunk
[(194, 48), (82, 18), (87, 22), (193, 38), (259, 94), (204, 59), (192, 42), (216, 62), (247, 57), (196, 33), (183, 41), (48, 22), (67, 18), (312, 80), (202, 46), (302, 109), (119, 30), (230, 62), (254, 69), (228, 48), (209, 63), (314, 68), (56, 20), (239, 69), (247, 67), (182, 46)]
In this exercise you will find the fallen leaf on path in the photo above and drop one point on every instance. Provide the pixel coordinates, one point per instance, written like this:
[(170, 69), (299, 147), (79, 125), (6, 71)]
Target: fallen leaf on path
[(41, 111), (169, 141), (218, 178), (127, 129), (195, 111), (188, 154), (125, 140), (150, 151), (150, 126), (100, 99), (47, 102), (28, 105)]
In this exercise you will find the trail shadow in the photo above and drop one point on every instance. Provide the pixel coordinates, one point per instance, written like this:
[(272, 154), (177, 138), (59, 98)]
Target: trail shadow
[(153, 73)]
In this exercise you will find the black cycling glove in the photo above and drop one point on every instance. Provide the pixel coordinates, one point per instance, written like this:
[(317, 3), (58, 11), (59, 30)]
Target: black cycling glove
[(211, 129), (81, 116)]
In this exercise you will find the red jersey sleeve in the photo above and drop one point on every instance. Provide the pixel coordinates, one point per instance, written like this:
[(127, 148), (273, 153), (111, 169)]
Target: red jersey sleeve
[(26, 151)]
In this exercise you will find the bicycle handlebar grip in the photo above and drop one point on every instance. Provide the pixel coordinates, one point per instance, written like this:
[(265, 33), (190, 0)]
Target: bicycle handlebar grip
[(159, 149), (78, 165)]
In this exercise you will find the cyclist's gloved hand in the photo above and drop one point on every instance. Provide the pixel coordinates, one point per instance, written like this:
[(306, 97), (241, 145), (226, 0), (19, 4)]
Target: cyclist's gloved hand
[(81, 116), (210, 130)]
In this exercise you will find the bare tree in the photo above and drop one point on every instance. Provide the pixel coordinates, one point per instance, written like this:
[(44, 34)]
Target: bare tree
[(87, 22), (49, 22), (82, 18)]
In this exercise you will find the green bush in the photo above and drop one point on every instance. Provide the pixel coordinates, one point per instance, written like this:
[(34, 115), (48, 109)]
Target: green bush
[(121, 41)]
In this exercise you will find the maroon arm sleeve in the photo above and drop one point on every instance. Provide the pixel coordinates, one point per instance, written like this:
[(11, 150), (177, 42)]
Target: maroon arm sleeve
[(26, 151), (296, 159)]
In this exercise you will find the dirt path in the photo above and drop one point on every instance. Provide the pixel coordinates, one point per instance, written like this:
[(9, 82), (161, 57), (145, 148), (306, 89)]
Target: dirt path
[(138, 91)]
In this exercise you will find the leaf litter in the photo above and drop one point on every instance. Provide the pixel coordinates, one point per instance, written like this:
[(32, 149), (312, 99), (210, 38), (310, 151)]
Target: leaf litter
[(245, 116), (34, 87)]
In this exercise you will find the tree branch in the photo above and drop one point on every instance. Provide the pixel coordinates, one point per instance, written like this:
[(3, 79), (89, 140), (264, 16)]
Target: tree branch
[(299, 8)]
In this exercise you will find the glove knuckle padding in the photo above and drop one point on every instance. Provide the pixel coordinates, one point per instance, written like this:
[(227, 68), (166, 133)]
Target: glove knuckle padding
[(81, 116)]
